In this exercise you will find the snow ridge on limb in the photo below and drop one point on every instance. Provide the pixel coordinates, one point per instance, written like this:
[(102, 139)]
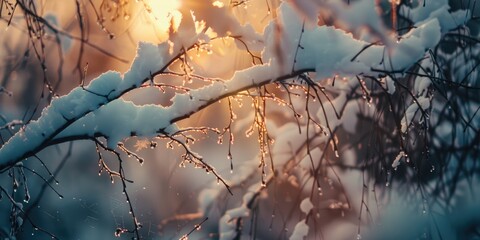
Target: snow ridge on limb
[(332, 51), (62, 112), (150, 120)]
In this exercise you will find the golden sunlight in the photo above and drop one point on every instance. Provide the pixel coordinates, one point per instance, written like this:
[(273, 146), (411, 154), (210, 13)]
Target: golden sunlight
[(162, 11), (153, 25)]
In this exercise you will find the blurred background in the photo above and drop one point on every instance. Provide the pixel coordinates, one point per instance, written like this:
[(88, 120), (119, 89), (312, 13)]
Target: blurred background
[(65, 195)]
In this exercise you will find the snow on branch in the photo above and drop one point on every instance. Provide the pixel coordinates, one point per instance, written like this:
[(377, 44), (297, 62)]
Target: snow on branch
[(93, 110), (329, 50), (440, 10), (64, 111)]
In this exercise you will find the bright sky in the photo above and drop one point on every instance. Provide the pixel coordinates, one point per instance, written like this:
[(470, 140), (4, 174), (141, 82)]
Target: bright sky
[(153, 25), (162, 10)]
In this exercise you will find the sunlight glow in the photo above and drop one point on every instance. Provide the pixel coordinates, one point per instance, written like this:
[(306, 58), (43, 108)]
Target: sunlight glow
[(218, 4), (163, 12), (156, 19)]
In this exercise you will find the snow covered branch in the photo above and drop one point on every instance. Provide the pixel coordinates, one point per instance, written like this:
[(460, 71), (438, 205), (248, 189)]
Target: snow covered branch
[(335, 87), (91, 111)]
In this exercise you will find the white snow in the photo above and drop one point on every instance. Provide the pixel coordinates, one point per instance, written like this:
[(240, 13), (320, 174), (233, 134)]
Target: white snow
[(423, 103), (389, 85), (145, 121), (438, 9), (223, 23), (306, 205), (149, 59), (329, 50), (396, 161), (359, 15), (227, 223), (79, 102), (98, 109), (300, 231)]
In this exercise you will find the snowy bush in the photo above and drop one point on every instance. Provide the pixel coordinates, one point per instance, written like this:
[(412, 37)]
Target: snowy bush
[(299, 119)]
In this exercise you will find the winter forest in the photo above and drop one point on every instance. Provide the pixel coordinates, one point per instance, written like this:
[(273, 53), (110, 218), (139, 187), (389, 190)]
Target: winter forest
[(249, 119)]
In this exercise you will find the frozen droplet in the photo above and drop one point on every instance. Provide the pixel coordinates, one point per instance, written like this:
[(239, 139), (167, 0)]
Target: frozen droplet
[(27, 197)]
